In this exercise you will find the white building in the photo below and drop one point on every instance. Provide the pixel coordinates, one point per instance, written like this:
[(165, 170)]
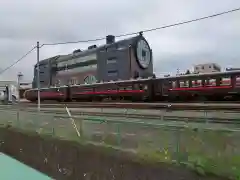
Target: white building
[(13, 90), (207, 68)]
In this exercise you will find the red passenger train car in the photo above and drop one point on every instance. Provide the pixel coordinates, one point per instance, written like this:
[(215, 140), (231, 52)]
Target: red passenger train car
[(203, 87), (209, 86)]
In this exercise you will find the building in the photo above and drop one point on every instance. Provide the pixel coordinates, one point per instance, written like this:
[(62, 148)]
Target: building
[(120, 60), (45, 72), (207, 68), (9, 90)]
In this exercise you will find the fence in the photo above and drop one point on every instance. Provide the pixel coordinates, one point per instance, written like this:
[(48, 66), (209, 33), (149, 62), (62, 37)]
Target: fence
[(209, 149)]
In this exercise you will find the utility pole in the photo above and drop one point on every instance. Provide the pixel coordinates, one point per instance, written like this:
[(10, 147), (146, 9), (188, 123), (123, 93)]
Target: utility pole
[(18, 81), (38, 76)]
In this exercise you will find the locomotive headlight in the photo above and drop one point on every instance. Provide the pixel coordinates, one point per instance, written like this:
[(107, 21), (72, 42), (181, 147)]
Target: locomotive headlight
[(143, 53)]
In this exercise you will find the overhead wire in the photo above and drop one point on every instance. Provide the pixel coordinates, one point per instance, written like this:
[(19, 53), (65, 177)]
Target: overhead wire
[(18, 60), (146, 30)]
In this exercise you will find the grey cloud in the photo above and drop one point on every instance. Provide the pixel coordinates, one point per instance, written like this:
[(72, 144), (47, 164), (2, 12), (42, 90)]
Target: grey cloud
[(25, 22)]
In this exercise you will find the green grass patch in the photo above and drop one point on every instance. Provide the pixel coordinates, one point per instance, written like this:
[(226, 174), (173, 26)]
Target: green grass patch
[(204, 151)]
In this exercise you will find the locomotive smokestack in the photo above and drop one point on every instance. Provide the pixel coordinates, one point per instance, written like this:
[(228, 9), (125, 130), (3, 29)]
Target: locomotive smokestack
[(110, 39)]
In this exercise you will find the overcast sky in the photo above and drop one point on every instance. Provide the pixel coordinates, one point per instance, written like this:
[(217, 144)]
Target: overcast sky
[(23, 23)]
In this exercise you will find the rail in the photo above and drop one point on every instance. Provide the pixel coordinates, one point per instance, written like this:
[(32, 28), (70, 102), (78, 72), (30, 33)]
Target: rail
[(170, 106), (205, 116)]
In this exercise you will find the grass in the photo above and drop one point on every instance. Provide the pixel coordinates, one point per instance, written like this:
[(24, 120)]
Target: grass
[(205, 151)]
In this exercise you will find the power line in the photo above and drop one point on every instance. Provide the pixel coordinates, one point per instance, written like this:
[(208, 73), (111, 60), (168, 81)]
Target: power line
[(185, 22), (147, 30), (18, 60), (73, 42)]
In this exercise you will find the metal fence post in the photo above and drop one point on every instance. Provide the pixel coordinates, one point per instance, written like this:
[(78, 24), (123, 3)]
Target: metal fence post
[(177, 134), (205, 114), (18, 124), (53, 128), (118, 134)]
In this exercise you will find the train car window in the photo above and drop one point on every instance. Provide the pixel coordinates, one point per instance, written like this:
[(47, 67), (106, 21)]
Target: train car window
[(87, 89), (166, 85), (174, 84), (210, 82), (125, 87), (238, 81), (112, 87), (129, 88), (196, 83), (145, 87), (136, 86), (184, 83), (225, 81)]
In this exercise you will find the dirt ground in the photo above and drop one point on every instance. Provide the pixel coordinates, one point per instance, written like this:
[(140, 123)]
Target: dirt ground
[(70, 160)]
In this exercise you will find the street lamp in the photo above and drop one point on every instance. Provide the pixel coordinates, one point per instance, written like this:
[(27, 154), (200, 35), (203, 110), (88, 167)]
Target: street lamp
[(20, 75)]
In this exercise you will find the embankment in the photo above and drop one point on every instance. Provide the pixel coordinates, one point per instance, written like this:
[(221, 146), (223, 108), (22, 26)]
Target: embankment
[(72, 160)]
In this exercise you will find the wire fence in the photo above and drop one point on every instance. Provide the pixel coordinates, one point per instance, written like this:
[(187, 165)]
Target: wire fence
[(206, 148)]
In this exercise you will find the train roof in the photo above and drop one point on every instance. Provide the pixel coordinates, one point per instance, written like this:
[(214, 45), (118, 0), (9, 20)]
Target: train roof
[(151, 78), (212, 74)]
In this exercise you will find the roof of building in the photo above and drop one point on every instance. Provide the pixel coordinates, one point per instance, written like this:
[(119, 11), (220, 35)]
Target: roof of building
[(60, 58)]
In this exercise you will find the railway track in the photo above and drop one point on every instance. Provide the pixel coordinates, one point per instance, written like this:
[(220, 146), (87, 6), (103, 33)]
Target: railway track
[(123, 101), (145, 117), (170, 106)]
